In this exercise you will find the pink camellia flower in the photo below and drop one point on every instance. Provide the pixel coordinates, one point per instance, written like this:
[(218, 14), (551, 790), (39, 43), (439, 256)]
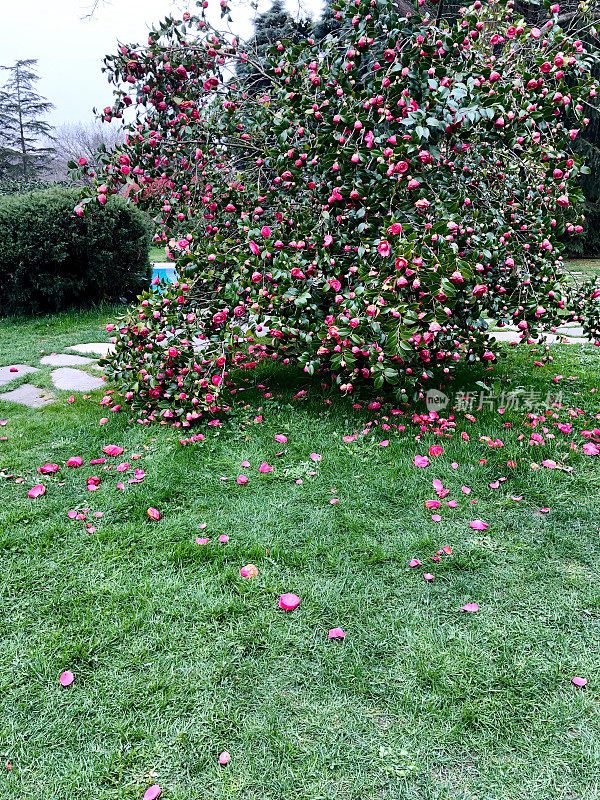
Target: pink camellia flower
[(470, 607), (536, 33), (478, 525), (581, 682), (249, 571), (201, 541), (436, 450), (242, 479), (479, 290), (288, 602), (254, 248), (224, 758), (316, 457), (152, 792), (264, 467), (279, 437), (265, 232), (153, 513), (66, 678), (37, 491), (590, 449), (383, 248), (421, 461), (337, 633), (223, 538), (428, 576)]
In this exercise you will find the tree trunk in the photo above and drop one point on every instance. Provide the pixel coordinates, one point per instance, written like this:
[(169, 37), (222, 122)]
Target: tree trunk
[(21, 131)]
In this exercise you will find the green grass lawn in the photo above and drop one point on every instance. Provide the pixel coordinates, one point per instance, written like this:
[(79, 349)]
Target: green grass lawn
[(157, 254), (176, 658), (584, 268)]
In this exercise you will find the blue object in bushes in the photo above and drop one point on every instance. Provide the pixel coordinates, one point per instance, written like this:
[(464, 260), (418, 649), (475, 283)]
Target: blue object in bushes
[(165, 273)]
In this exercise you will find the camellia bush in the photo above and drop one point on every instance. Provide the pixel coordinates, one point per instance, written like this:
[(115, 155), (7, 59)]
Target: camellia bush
[(399, 184)]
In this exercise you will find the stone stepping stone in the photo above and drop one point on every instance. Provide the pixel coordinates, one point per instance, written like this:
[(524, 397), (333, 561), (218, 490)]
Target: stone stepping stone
[(6, 376), (570, 330), (62, 360), (505, 336), (74, 380), (98, 349), (28, 395)]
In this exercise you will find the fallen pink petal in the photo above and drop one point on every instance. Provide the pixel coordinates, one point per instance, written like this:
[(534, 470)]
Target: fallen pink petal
[(414, 563), (478, 525), (37, 491), (428, 576), (470, 607), (66, 678), (337, 633), (288, 602), (112, 450), (153, 792), (48, 469), (581, 682)]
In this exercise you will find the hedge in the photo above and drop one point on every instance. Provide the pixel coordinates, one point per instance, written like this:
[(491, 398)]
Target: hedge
[(51, 259)]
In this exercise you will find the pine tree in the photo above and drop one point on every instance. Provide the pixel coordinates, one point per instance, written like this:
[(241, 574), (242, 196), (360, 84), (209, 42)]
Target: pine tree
[(22, 129), (272, 26)]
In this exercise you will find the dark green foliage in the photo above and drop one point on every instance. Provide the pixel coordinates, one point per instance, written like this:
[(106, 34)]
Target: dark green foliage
[(50, 259), (20, 185), (588, 244)]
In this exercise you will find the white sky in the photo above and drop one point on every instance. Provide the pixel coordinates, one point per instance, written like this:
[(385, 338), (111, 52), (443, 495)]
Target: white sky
[(70, 48)]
